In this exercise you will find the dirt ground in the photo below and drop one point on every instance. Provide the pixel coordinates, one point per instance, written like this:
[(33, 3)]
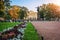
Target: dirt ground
[(49, 30)]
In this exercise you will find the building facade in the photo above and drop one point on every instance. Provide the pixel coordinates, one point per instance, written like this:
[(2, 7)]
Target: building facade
[(31, 15)]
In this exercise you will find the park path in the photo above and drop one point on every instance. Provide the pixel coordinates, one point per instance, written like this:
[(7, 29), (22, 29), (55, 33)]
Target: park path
[(49, 30)]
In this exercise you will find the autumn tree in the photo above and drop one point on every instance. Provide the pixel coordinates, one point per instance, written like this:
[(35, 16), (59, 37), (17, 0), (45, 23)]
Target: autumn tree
[(4, 4), (14, 12), (7, 7), (2, 7), (23, 12), (18, 12), (7, 3), (48, 11)]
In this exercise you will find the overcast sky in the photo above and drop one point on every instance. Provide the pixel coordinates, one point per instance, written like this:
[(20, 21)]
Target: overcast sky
[(32, 4)]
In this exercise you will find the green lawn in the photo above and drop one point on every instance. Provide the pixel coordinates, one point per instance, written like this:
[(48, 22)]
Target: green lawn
[(30, 33), (5, 25)]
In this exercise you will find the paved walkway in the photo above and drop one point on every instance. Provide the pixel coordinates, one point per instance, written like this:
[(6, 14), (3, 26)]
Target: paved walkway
[(49, 30)]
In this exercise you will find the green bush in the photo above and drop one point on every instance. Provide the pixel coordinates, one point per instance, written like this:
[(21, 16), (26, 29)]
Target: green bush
[(1, 13)]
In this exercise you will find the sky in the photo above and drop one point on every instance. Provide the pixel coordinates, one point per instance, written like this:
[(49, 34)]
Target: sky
[(32, 4)]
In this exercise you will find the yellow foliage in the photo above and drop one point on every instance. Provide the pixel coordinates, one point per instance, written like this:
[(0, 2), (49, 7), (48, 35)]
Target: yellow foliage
[(2, 5), (14, 12), (16, 8)]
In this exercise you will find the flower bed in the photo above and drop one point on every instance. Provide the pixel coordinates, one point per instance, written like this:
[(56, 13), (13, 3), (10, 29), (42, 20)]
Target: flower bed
[(16, 33)]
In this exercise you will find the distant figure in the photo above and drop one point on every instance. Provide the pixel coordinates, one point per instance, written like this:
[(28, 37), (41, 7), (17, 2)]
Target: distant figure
[(42, 38)]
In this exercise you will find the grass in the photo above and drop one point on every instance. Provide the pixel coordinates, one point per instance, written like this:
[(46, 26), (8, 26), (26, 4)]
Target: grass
[(5, 25), (30, 33)]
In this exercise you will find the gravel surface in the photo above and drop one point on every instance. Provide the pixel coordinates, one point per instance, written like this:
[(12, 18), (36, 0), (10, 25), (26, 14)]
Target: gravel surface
[(50, 30)]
